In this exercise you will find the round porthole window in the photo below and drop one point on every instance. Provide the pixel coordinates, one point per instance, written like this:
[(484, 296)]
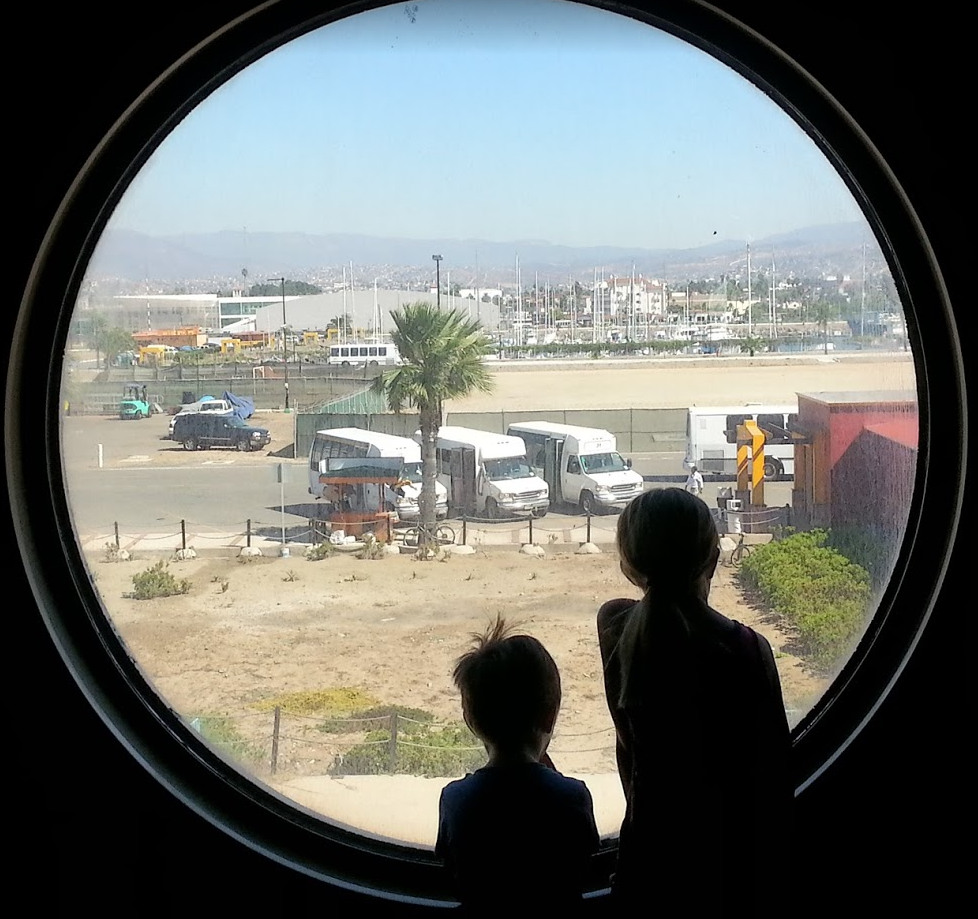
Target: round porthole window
[(668, 271)]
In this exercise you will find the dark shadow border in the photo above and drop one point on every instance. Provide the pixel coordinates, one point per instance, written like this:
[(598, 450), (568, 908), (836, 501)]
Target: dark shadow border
[(88, 645)]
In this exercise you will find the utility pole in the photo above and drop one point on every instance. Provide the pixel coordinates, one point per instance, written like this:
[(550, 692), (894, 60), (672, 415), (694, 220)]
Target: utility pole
[(437, 261)]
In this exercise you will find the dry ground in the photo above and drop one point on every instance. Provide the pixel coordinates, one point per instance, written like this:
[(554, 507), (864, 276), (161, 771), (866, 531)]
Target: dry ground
[(249, 632)]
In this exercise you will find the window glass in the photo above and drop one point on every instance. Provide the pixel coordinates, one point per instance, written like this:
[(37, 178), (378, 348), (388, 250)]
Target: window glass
[(731, 428), (299, 668)]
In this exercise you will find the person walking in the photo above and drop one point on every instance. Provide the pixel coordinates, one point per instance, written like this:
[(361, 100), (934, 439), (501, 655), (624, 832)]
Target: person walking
[(694, 481)]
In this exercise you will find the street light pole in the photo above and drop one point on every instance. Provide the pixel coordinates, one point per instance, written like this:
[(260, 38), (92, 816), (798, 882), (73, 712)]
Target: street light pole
[(285, 343), (437, 261)]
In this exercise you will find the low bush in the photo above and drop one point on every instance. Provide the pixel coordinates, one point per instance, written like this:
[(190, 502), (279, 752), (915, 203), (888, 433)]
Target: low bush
[(422, 747), (320, 551), (409, 720), (220, 732), (336, 702), (819, 591), (158, 582)]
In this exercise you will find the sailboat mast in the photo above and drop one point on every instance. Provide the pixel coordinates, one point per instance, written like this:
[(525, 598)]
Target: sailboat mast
[(750, 316), (862, 301)]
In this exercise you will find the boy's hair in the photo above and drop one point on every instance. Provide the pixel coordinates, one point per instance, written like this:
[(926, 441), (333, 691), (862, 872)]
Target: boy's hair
[(510, 686)]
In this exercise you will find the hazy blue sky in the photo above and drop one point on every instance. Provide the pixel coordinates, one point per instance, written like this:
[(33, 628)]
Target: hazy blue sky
[(493, 119)]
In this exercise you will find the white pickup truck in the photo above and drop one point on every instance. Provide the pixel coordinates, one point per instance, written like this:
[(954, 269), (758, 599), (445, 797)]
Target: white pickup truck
[(215, 406)]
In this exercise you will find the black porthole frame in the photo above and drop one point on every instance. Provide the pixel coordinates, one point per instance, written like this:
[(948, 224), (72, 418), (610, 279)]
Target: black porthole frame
[(86, 641)]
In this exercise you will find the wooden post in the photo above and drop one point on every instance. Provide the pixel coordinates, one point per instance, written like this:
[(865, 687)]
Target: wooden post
[(392, 746), (531, 529), (248, 542), (183, 535), (117, 534), (275, 729), (589, 526), (463, 529)]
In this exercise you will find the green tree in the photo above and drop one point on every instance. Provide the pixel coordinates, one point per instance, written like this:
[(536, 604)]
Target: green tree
[(824, 312), (442, 353), (98, 326), (343, 323), (292, 289), (114, 341)]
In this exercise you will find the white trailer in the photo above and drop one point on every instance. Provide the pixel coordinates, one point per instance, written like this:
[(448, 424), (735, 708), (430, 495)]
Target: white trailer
[(580, 465), (352, 443), (711, 437), (487, 474)]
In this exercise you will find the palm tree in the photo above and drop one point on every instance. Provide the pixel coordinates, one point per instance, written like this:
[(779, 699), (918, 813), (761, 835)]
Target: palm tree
[(442, 355), (824, 313)]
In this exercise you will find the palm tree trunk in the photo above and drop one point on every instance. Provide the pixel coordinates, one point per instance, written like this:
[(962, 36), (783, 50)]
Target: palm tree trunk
[(427, 502)]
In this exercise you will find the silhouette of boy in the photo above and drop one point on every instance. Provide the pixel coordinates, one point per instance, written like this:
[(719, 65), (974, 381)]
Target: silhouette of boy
[(516, 832)]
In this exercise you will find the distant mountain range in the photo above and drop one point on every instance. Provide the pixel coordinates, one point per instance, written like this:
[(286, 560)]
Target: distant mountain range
[(125, 254)]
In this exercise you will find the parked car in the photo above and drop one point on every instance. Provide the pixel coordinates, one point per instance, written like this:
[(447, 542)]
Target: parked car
[(203, 430)]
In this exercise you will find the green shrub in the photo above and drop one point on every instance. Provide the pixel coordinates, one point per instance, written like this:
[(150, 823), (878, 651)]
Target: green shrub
[(220, 732), (409, 721), (158, 582), (870, 547), (427, 749), (817, 589), (320, 551)]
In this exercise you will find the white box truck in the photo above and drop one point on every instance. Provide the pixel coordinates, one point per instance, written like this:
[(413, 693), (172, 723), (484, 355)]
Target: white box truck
[(487, 475), (581, 466)]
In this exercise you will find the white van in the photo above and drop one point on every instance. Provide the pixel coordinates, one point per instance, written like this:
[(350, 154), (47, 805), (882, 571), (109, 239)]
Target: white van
[(352, 442), (582, 466), (711, 437), (487, 475)]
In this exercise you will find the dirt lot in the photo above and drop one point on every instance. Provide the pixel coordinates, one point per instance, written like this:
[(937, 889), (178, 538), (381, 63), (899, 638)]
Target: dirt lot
[(249, 632)]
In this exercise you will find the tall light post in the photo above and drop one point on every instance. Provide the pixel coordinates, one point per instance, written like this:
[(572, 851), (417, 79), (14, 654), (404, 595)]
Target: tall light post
[(437, 261), (285, 343)]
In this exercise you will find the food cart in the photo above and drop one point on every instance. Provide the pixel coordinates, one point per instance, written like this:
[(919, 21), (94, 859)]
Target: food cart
[(356, 491)]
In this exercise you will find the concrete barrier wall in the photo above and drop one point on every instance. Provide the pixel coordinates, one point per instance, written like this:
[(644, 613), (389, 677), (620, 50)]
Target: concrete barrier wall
[(646, 430)]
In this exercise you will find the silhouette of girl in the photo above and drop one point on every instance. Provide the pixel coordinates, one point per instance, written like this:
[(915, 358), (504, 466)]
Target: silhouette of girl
[(702, 737)]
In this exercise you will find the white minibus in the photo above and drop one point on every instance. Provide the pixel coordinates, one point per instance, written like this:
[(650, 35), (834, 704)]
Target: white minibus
[(373, 355), (581, 466), (487, 474)]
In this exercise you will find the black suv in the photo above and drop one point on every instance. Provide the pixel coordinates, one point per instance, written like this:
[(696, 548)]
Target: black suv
[(203, 430)]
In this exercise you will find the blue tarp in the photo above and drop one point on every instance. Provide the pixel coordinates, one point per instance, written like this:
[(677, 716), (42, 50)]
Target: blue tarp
[(244, 407)]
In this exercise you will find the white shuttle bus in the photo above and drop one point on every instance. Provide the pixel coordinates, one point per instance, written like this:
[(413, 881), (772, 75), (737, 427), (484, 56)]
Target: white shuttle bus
[(581, 466), (711, 438), (487, 475), (346, 443), (382, 354)]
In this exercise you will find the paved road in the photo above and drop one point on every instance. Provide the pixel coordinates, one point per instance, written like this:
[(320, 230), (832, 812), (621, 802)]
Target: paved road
[(216, 492)]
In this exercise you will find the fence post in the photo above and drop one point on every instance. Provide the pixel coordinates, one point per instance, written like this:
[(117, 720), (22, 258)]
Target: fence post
[(183, 535), (275, 729), (392, 748), (117, 534), (531, 529), (589, 526), (463, 529), (248, 543)]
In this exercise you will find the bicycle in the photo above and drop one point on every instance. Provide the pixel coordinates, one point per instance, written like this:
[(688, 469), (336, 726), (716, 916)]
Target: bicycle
[(739, 552), (441, 535)]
